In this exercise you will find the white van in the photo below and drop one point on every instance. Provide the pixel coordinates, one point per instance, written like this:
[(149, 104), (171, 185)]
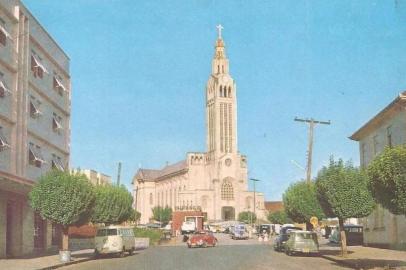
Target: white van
[(114, 239)]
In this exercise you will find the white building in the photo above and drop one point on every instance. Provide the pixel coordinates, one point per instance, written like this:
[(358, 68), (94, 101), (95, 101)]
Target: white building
[(387, 128), (215, 181), (95, 177), (34, 125)]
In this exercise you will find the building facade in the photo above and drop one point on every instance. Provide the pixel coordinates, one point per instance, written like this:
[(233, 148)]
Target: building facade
[(34, 125), (96, 178), (386, 129), (215, 181)]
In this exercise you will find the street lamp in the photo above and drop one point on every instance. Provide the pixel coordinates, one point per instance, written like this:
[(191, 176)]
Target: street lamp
[(254, 180)]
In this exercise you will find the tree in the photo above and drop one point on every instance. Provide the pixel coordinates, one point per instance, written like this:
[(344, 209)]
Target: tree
[(279, 217), (135, 216), (113, 205), (342, 192), (63, 198), (300, 202), (247, 217), (387, 179), (163, 215)]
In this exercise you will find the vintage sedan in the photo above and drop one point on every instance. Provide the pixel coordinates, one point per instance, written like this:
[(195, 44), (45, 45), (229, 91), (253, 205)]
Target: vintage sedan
[(302, 242), (202, 239)]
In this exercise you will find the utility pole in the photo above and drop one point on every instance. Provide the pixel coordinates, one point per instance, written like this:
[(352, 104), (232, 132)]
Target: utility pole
[(118, 173), (311, 123), (254, 180)]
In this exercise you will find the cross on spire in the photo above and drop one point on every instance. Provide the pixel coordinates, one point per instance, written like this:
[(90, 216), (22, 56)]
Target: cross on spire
[(219, 28)]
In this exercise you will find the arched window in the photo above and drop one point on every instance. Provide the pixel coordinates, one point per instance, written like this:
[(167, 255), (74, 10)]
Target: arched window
[(218, 68), (3, 38), (229, 91), (227, 192), (221, 91), (151, 201)]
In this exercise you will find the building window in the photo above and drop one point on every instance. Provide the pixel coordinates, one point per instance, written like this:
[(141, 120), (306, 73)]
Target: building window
[(35, 156), (221, 91), (389, 136), (3, 34), (363, 155), (4, 89), (34, 108), (3, 141), (375, 144), (229, 91), (37, 67), (56, 123), (227, 192), (57, 163), (151, 199), (58, 86)]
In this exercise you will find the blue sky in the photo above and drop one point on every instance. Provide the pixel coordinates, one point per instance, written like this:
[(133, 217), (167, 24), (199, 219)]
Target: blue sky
[(139, 70)]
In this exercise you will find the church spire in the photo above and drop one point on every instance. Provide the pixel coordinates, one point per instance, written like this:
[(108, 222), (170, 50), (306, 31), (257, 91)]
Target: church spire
[(220, 61)]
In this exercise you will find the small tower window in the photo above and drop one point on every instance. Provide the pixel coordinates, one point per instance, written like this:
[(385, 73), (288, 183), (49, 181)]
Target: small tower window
[(218, 68), (229, 91), (221, 91)]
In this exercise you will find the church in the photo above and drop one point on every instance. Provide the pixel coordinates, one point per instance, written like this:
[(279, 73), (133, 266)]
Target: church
[(215, 181)]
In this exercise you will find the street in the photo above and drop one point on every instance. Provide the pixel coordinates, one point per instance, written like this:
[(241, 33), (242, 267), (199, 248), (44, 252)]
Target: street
[(229, 254)]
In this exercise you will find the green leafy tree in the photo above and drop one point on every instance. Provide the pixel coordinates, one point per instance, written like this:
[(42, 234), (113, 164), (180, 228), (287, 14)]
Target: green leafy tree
[(135, 216), (247, 217), (300, 202), (279, 217), (163, 215), (63, 198), (387, 179), (113, 205), (342, 192)]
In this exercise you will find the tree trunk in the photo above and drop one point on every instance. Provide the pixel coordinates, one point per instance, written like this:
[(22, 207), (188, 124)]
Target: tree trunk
[(65, 238), (343, 238)]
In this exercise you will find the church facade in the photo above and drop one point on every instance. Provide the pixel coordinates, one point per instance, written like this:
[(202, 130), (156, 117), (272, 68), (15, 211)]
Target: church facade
[(215, 181)]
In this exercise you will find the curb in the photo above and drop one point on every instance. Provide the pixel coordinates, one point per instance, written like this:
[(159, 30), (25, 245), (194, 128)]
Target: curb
[(341, 262), (65, 264)]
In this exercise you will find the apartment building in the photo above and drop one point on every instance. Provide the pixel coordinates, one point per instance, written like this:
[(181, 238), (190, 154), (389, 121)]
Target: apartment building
[(386, 129), (34, 125), (96, 178)]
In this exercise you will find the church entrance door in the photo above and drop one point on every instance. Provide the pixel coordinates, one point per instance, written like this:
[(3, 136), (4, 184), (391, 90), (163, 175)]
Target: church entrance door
[(227, 213)]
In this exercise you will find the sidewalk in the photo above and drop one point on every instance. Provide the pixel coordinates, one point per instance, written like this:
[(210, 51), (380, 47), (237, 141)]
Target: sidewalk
[(45, 262), (360, 257)]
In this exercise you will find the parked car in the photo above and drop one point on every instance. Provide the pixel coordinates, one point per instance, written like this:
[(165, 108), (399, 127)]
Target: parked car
[(264, 228), (202, 239), (353, 234), (240, 232), (153, 225), (280, 241), (114, 239), (301, 242)]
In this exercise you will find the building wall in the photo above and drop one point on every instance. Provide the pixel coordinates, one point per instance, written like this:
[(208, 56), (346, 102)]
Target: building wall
[(28, 37), (96, 178), (381, 227)]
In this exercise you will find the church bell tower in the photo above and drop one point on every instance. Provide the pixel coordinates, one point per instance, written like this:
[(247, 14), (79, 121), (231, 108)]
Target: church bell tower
[(221, 106)]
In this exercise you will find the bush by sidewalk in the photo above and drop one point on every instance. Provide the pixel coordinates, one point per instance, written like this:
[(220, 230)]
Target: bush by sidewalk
[(154, 235)]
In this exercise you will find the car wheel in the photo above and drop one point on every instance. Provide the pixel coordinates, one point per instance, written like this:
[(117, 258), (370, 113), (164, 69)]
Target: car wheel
[(131, 251), (204, 245), (214, 243), (96, 254), (189, 246)]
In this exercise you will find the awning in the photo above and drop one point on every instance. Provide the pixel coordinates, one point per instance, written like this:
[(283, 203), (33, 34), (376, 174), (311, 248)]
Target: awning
[(36, 154), (59, 84), (39, 64), (57, 163), (3, 141), (56, 123), (34, 109), (2, 29), (4, 87)]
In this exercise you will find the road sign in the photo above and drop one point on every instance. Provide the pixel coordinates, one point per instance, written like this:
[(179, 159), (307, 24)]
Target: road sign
[(314, 221)]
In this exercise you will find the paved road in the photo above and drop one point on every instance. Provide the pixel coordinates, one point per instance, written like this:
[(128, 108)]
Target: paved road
[(241, 255)]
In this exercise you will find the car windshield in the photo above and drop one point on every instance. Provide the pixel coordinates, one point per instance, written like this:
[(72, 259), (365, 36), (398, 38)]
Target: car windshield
[(106, 232), (305, 236)]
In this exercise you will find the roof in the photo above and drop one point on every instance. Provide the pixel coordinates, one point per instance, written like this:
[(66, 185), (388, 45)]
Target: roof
[(168, 170), (389, 111), (274, 206)]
